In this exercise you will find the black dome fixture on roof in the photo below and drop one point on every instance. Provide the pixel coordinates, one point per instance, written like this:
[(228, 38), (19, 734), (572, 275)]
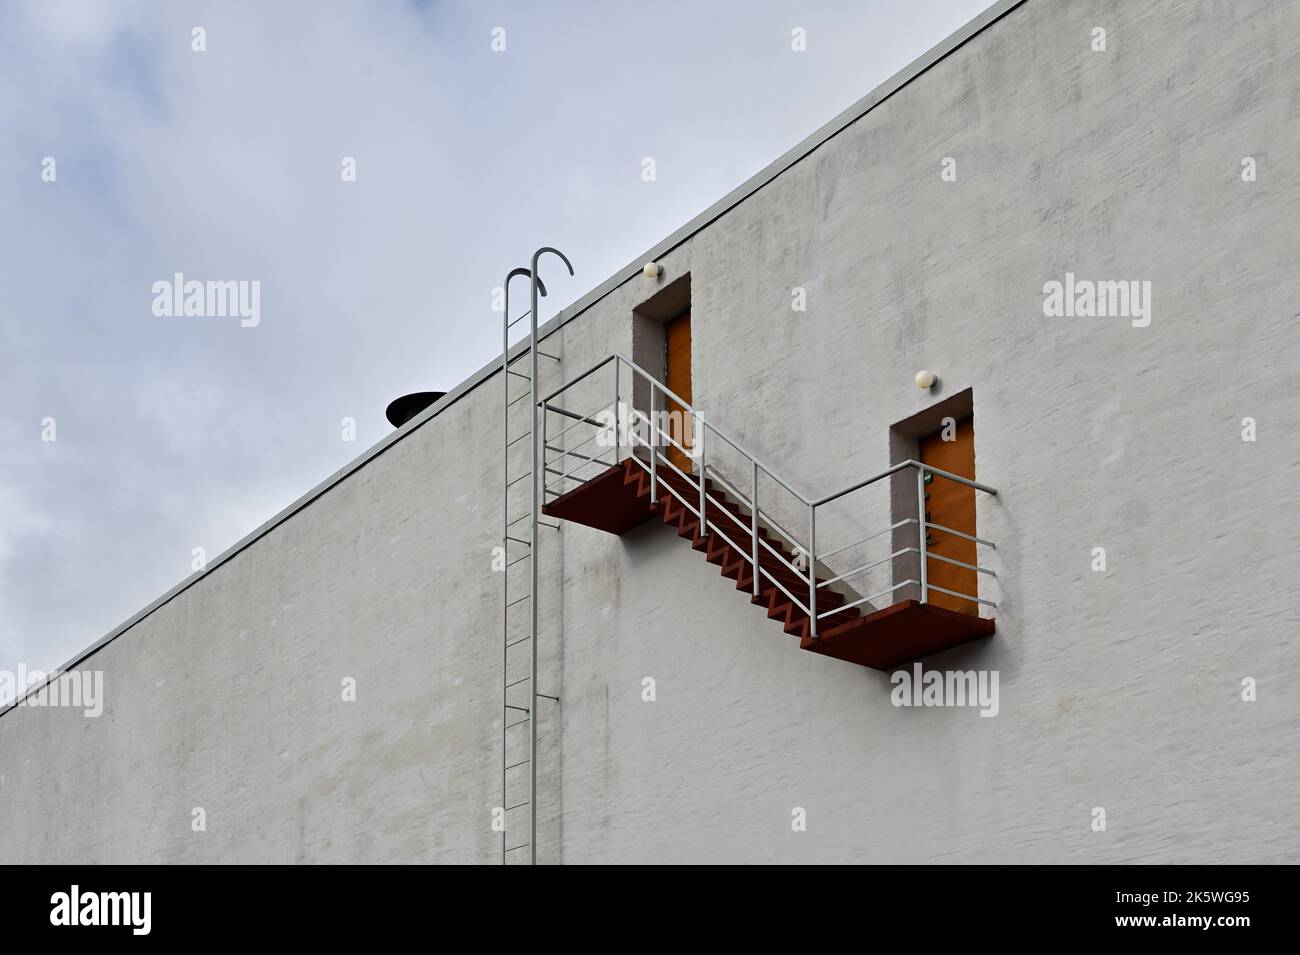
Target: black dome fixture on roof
[(403, 409)]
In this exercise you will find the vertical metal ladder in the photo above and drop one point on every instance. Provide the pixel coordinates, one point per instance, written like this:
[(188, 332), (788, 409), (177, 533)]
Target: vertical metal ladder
[(519, 542)]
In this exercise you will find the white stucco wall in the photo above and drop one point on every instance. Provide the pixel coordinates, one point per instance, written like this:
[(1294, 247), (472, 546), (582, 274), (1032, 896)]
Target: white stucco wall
[(1118, 690)]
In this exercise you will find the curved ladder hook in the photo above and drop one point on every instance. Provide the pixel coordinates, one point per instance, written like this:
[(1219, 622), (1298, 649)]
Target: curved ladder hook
[(537, 286), (514, 273), (544, 249)]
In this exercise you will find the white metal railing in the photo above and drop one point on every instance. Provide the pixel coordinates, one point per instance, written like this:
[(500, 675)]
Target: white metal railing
[(622, 430)]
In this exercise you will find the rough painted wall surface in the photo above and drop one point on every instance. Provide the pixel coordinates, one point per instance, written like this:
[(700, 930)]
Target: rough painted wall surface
[(1118, 689)]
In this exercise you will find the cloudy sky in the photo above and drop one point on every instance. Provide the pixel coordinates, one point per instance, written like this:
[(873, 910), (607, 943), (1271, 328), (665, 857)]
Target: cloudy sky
[(176, 433)]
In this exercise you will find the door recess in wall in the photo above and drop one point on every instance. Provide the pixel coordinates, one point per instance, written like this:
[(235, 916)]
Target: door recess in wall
[(951, 505)]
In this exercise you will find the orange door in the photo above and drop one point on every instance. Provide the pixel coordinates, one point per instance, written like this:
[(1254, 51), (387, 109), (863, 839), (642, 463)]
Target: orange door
[(952, 505), (677, 376)]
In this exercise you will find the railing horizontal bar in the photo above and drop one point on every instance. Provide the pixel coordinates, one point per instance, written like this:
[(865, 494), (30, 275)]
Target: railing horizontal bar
[(955, 477), (581, 419), (863, 600), (949, 530), (898, 467), (584, 457), (868, 566), (953, 593), (768, 520), (743, 551), (582, 443), (686, 477), (742, 499), (781, 587), (632, 456), (861, 484), (892, 527), (590, 371), (721, 507), (959, 563), (658, 431), (761, 466), (568, 474), (785, 562)]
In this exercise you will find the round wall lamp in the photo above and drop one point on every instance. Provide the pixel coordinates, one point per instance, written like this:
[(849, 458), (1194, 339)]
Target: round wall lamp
[(926, 380), (653, 270)]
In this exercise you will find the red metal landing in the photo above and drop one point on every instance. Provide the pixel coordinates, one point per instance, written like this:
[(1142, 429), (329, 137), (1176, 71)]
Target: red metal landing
[(608, 502), (897, 635), (618, 499)]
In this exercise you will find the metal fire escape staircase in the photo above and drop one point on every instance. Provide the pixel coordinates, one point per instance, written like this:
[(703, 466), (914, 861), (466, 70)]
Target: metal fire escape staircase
[(520, 544), (612, 461)]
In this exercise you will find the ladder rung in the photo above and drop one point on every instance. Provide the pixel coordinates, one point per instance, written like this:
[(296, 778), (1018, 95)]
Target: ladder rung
[(519, 319), (518, 600), (516, 481), (519, 560), (521, 846), (545, 355), (520, 640), (521, 709), (520, 438), (517, 682), (519, 374), (512, 401), (519, 540), (517, 765), (514, 724), (541, 522), (518, 805)]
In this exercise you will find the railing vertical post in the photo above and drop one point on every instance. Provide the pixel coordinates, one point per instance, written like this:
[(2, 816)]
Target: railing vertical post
[(812, 570), (753, 521), (618, 417), (922, 531), (699, 439), (654, 448)]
